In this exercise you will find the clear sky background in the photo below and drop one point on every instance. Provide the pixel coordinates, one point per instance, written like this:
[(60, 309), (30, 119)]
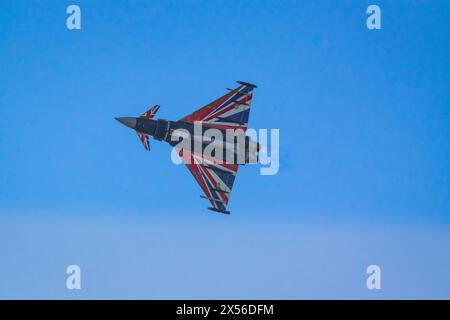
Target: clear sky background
[(364, 119)]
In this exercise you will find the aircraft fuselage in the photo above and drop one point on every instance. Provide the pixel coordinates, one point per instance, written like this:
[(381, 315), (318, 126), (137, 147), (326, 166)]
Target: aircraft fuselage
[(196, 133)]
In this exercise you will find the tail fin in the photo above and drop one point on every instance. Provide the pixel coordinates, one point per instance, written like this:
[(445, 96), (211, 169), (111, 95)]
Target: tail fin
[(145, 139)]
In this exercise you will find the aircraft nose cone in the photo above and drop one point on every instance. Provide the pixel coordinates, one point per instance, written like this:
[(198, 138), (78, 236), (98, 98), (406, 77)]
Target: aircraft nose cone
[(128, 121)]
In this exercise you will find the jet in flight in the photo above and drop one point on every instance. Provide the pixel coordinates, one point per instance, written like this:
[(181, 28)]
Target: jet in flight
[(215, 171)]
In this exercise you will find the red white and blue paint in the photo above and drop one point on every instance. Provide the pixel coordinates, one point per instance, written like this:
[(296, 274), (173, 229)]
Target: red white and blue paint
[(229, 112)]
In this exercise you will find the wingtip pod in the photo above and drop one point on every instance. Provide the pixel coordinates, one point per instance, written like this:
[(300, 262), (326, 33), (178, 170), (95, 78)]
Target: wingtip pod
[(218, 210), (247, 84)]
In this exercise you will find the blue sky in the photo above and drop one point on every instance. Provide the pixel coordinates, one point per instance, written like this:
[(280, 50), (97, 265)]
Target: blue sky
[(364, 153)]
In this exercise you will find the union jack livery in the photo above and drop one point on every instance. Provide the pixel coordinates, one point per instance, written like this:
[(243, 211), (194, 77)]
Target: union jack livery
[(143, 136), (206, 129)]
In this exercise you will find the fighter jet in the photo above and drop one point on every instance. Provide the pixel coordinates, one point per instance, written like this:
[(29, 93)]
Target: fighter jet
[(215, 172)]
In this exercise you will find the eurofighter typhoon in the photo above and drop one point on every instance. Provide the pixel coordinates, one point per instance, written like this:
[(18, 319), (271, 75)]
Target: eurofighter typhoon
[(213, 141)]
